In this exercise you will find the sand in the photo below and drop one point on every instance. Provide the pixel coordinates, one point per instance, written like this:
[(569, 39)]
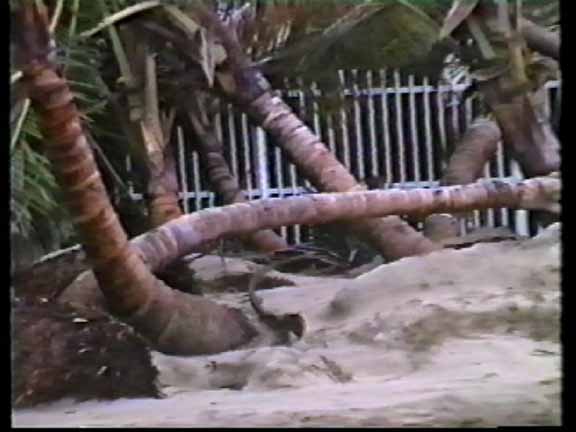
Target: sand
[(456, 338)]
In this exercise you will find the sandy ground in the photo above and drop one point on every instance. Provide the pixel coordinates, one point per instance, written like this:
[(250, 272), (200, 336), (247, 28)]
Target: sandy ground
[(456, 338)]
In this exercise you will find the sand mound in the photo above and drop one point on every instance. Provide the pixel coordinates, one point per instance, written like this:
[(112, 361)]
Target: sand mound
[(456, 338)]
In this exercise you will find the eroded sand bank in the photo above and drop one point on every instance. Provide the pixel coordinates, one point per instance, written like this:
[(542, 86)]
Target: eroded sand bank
[(456, 338)]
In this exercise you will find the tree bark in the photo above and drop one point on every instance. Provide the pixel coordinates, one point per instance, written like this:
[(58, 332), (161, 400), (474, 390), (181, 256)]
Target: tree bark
[(248, 88), (150, 128), (525, 130), (173, 322), (183, 235), (162, 193), (210, 151), (475, 149), (499, 63), (541, 40)]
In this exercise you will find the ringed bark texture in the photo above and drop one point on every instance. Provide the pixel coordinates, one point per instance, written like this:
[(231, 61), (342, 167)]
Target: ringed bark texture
[(219, 174), (391, 236), (475, 149), (184, 235), (245, 85), (163, 191), (465, 166), (173, 322)]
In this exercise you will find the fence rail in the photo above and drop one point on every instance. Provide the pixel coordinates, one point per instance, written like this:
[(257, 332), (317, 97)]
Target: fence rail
[(396, 127)]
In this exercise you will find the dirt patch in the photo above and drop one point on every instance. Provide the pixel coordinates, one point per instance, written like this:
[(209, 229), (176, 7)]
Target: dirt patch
[(59, 351)]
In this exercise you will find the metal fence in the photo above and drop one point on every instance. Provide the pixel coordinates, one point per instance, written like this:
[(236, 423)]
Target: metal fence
[(396, 127)]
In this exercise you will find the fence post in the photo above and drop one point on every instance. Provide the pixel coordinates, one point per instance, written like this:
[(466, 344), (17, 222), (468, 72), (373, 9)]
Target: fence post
[(262, 163)]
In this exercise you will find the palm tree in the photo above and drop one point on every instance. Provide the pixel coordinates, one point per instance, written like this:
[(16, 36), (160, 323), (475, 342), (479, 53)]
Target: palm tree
[(241, 82), (146, 122), (172, 321), (507, 79), (239, 79), (184, 235), (227, 52), (35, 212), (477, 146), (218, 172)]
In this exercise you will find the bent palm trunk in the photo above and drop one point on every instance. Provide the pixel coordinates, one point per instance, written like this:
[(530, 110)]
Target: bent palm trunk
[(224, 183), (184, 235), (173, 322), (248, 88)]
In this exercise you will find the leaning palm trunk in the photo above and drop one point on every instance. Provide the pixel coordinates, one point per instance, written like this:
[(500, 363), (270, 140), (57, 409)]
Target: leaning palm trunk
[(541, 40), (184, 235), (475, 149), (500, 65), (172, 322), (525, 130), (162, 193), (147, 127), (248, 88), (218, 172), (513, 99), (151, 127)]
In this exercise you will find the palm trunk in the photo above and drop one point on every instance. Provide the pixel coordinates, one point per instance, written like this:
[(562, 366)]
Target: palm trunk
[(173, 322), (540, 39), (248, 88), (149, 126), (524, 128), (509, 92), (475, 149), (184, 235), (152, 130), (224, 183), (390, 236), (162, 192)]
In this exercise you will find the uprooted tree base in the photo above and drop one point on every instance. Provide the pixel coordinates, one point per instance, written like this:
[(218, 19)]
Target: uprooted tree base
[(59, 351)]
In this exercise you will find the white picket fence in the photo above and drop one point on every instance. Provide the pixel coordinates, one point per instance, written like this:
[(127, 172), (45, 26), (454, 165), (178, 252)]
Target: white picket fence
[(392, 126)]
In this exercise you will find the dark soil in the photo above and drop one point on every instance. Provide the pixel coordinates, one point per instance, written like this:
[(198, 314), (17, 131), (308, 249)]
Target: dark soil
[(239, 282), (48, 277), (59, 351)]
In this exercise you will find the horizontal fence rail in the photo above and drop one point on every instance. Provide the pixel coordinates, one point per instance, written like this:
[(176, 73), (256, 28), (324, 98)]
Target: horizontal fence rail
[(398, 129)]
